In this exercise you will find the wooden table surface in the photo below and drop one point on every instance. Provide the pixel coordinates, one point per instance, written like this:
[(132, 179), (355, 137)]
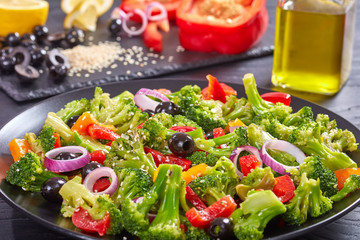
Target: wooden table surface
[(14, 225)]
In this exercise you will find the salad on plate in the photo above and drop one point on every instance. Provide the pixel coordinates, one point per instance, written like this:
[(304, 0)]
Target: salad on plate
[(191, 164)]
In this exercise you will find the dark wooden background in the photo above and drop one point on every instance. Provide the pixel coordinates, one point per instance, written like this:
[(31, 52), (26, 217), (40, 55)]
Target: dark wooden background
[(14, 225)]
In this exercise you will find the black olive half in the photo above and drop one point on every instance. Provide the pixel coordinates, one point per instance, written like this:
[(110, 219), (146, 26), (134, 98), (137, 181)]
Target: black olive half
[(22, 55), (55, 57), (167, 107), (56, 38), (181, 144), (88, 168), (50, 189), (12, 39), (221, 228), (26, 74)]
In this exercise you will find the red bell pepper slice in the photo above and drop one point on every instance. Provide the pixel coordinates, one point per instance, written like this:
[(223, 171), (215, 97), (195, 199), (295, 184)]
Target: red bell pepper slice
[(215, 90), (277, 97), (182, 129), (160, 158), (83, 220), (57, 142), (98, 156), (248, 163), (152, 37), (218, 132), (194, 199), (223, 34), (101, 184), (131, 5), (284, 188), (99, 132), (221, 208), (227, 89)]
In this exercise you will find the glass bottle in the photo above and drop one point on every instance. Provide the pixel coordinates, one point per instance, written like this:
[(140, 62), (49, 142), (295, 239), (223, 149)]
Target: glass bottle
[(313, 44)]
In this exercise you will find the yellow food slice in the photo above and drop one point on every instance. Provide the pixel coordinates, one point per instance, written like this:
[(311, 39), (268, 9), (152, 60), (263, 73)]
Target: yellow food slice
[(84, 16), (22, 16)]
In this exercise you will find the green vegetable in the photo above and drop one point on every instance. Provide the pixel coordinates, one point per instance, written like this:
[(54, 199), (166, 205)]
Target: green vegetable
[(60, 127), (29, 173), (203, 157), (240, 109), (351, 184), (254, 214), (76, 107)]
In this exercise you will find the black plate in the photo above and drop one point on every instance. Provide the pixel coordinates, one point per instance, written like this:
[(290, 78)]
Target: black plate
[(47, 214)]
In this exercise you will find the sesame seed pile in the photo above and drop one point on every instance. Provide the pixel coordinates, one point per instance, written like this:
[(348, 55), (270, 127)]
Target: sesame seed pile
[(108, 55)]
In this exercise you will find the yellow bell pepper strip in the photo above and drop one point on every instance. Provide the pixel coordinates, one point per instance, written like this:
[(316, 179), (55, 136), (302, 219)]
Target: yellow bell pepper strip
[(18, 148), (86, 119), (190, 174), (194, 172)]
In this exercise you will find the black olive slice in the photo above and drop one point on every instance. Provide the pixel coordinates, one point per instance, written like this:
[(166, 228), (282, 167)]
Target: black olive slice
[(26, 74)]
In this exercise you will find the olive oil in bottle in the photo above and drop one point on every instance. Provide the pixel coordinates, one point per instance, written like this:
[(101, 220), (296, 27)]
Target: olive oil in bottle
[(313, 50)]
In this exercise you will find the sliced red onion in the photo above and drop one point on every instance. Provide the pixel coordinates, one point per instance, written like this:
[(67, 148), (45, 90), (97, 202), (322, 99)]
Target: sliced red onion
[(156, 6), (138, 199), (118, 13), (144, 102), (98, 173), (144, 23), (283, 146), (66, 165), (236, 152)]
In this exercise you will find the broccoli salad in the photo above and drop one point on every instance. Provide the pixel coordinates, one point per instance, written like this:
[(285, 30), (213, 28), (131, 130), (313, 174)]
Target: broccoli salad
[(192, 164)]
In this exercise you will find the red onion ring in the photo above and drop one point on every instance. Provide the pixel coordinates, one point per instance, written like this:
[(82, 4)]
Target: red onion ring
[(66, 165), (144, 23), (144, 102), (98, 173), (281, 146), (153, 6), (236, 152), (118, 13)]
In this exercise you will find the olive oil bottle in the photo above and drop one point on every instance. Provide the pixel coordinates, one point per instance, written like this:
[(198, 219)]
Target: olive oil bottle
[(313, 50)]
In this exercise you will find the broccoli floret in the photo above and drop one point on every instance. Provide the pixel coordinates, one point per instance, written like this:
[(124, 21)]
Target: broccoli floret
[(180, 120), (128, 151), (304, 115), (76, 107), (203, 157), (76, 195), (234, 139), (166, 224), (324, 122), (259, 105), (257, 136), (242, 110), (216, 182), (259, 178), (254, 214), (135, 215), (156, 134), (206, 113), (60, 127), (315, 169), (270, 124), (119, 111), (308, 199), (194, 233), (47, 138), (133, 183), (340, 140), (29, 173), (350, 185), (307, 138)]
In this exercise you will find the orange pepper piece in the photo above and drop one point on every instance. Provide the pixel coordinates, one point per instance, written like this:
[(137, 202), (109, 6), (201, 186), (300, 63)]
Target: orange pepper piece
[(343, 174), (194, 172), (86, 119), (18, 148)]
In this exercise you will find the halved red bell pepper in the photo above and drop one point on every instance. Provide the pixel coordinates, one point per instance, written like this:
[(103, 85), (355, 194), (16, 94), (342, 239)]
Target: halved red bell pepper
[(277, 97), (160, 158), (83, 220), (248, 163), (284, 188), (99, 132), (194, 199), (221, 208), (170, 6), (224, 28)]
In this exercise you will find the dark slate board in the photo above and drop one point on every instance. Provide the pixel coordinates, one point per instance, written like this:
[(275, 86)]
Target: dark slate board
[(169, 61)]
